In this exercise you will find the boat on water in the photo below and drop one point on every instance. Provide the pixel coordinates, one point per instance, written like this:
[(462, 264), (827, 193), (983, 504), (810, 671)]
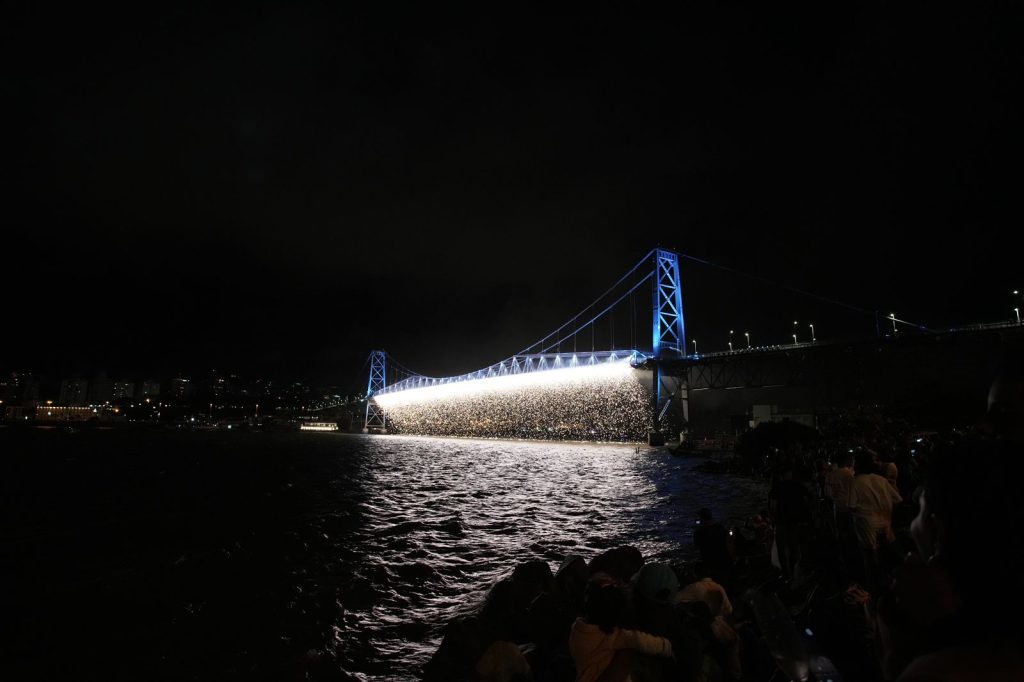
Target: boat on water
[(318, 426)]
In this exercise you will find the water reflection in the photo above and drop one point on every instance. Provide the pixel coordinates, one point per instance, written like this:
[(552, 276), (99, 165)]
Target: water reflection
[(445, 519)]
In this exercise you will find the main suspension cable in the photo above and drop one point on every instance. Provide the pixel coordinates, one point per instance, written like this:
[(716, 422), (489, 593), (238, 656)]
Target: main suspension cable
[(593, 303)]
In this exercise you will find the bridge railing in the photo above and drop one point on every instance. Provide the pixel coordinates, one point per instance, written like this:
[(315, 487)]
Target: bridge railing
[(984, 326), (987, 326), (755, 349)]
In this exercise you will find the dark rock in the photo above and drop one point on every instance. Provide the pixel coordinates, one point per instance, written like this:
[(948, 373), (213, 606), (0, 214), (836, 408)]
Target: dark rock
[(499, 600), (571, 580), (534, 573), (505, 610), (620, 562), (549, 619), (465, 640)]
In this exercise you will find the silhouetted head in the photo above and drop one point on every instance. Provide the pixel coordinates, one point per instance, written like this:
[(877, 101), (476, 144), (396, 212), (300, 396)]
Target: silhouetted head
[(864, 462), (690, 573), (971, 523), (604, 605), (657, 582), (1005, 415)]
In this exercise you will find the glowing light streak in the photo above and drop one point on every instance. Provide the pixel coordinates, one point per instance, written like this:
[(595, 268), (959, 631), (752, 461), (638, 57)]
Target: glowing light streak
[(579, 374)]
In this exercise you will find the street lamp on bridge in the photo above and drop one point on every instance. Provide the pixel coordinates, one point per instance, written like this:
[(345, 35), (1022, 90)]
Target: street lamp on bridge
[(731, 332), (813, 340), (1017, 310), (795, 323), (892, 316), (747, 334), (794, 340), (694, 346)]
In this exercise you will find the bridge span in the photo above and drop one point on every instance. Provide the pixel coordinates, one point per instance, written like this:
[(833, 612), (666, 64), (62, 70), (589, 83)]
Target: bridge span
[(558, 388)]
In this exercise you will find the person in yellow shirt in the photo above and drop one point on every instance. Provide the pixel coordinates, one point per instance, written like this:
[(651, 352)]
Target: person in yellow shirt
[(602, 650)]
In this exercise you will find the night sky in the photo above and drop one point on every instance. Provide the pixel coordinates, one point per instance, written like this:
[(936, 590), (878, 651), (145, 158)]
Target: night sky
[(278, 188)]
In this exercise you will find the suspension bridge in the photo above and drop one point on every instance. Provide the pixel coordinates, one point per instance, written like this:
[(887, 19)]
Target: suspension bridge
[(578, 368)]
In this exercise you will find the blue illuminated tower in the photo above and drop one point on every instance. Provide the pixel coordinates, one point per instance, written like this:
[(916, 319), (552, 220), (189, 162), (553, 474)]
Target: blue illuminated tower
[(669, 330), (378, 367)]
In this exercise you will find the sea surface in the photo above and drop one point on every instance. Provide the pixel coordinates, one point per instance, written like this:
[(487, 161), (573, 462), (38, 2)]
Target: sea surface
[(160, 554)]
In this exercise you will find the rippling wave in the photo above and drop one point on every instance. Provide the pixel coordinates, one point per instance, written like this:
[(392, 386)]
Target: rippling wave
[(270, 556), (445, 519)]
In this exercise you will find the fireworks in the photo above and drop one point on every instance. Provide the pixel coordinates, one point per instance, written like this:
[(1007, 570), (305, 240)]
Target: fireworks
[(605, 402)]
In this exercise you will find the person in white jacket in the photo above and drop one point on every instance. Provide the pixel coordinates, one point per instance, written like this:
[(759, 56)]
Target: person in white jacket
[(600, 648)]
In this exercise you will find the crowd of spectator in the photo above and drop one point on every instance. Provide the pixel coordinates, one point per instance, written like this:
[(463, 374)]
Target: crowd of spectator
[(919, 531), (884, 552)]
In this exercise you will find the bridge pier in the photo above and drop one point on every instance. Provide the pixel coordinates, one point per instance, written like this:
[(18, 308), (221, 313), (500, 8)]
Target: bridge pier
[(669, 335), (669, 391)]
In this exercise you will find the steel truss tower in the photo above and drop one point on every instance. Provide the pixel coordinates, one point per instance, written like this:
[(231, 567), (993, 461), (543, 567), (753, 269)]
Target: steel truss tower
[(669, 331), (374, 414)]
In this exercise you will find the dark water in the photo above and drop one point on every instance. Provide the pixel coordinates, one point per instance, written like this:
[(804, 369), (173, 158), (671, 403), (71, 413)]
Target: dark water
[(211, 556)]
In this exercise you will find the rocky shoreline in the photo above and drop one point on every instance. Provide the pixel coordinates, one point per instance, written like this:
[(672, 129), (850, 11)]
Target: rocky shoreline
[(532, 608), (521, 631)]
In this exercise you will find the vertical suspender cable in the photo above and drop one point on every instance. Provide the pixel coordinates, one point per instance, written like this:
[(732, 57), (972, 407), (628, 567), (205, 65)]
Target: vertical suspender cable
[(632, 322), (611, 322)]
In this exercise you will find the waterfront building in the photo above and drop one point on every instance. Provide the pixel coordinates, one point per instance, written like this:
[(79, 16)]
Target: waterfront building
[(65, 413), (74, 392), (181, 387), (774, 413), (9, 389), (123, 389), (149, 387), (101, 389), (19, 413), (29, 388)]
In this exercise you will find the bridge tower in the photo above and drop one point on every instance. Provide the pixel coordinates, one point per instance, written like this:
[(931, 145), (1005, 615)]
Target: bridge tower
[(374, 414), (669, 331)]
